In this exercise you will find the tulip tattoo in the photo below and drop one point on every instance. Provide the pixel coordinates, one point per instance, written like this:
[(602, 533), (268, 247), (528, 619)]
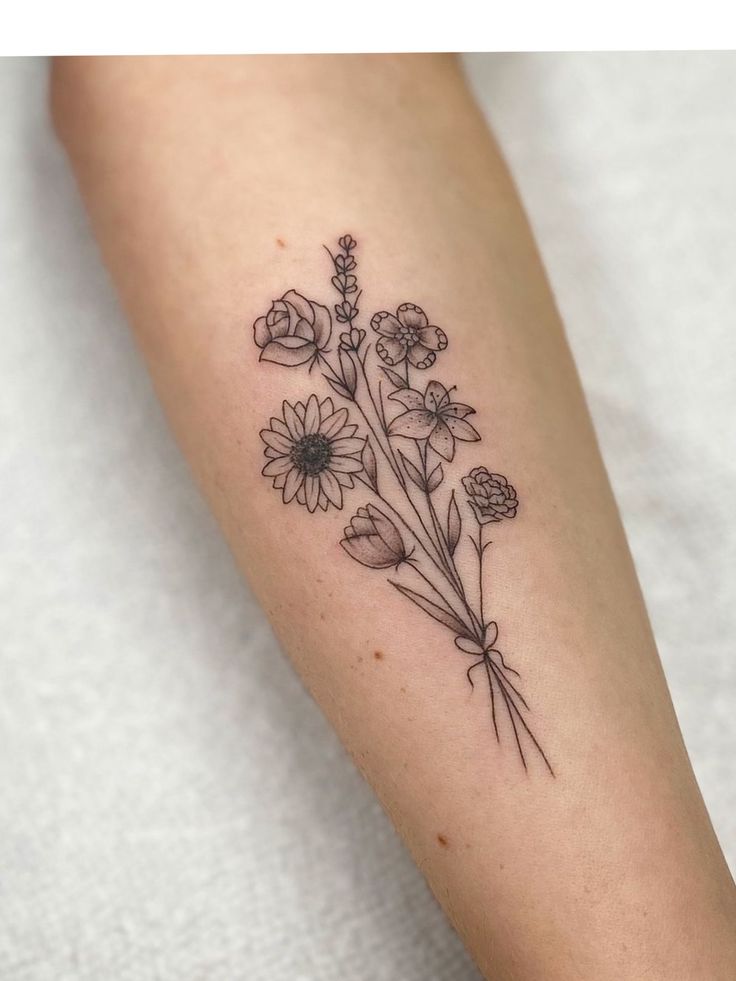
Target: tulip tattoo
[(394, 434)]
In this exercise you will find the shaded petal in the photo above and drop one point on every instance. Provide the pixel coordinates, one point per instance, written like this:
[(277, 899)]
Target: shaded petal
[(322, 325), (420, 356), (276, 441), (343, 479), (411, 315), (347, 445), (442, 442), (433, 337), (279, 481), (301, 495), (326, 408), (311, 489), (323, 502), (385, 323), (461, 429), (416, 424), (332, 425), (408, 397), (388, 531), (275, 467), (391, 350), (457, 410), (311, 417), (261, 332), (331, 488), (294, 481), (302, 306), (289, 351), (292, 420), (436, 396), (368, 551)]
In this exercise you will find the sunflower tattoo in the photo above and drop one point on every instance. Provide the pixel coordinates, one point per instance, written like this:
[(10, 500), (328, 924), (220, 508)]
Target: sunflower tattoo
[(402, 434)]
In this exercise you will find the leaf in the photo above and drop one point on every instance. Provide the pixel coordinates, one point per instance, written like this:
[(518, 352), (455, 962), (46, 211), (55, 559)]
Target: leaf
[(438, 613), (395, 378), (338, 387), (414, 474), (435, 478), (368, 459), (454, 524)]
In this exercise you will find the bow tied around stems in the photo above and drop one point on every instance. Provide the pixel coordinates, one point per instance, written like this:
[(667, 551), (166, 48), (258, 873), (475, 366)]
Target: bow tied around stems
[(434, 417), (490, 636), (374, 540), (294, 331)]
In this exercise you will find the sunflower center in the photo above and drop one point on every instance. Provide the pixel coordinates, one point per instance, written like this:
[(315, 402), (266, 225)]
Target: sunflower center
[(408, 335), (311, 454)]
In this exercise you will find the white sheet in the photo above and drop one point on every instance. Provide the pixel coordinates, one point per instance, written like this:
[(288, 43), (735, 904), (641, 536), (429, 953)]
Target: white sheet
[(173, 806)]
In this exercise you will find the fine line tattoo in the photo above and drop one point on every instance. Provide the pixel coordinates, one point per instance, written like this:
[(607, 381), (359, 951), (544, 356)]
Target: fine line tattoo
[(394, 435)]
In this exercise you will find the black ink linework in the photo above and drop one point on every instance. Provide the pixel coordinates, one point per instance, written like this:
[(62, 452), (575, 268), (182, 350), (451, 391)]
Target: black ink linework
[(402, 435)]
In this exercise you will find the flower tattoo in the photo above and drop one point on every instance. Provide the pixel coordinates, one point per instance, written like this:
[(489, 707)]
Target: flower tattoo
[(311, 453), (407, 336), (395, 437)]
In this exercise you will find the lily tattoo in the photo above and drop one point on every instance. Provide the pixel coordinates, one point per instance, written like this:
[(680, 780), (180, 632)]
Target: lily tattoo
[(393, 433)]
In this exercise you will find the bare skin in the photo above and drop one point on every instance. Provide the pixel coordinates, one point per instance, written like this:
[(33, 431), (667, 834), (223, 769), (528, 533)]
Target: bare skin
[(212, 184)]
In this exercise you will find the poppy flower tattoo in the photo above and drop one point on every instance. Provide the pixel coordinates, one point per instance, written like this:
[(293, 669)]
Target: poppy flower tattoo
[(394, 436)]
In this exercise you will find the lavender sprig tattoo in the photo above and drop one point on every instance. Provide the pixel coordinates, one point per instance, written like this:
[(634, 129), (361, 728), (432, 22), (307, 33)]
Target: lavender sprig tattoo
[(394, 435)]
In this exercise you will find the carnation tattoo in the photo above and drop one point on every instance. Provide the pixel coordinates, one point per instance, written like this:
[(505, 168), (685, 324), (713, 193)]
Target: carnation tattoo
[(393, 432)]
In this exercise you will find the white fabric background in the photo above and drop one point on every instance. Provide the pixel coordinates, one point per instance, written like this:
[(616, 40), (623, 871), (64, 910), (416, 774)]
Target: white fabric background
[(173, 806)]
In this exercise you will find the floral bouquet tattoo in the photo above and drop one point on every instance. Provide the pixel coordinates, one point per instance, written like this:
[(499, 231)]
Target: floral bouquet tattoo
[(393, 432)]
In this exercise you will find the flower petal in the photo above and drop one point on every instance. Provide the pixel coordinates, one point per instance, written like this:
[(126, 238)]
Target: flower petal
[(275, 467), (461, 429), (311, 489), (457, 410), (436, 396), (369, 551), (345, 464), (294, 480), (411, 315), (332, 425), (408, 397), (292, 420), (420, 356), (261, 332), (322, 325), (331, 488), (346, 446), (441, 441), (416, 424), (278, 426), (311, 417), (302, 305), (387, 532), (289, 351), (391, 350), (385, 323), (433, 337), (275, 440)]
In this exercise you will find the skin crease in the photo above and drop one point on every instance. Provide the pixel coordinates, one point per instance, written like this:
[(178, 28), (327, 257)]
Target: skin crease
[(212, 184)]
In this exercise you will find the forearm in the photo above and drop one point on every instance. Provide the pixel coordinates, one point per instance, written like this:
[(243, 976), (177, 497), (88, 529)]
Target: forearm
[(213, 185)]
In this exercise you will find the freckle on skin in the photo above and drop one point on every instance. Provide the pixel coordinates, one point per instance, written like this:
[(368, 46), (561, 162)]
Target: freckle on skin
[(443, 841), (378, 655), (360, 658), (281, 243)]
